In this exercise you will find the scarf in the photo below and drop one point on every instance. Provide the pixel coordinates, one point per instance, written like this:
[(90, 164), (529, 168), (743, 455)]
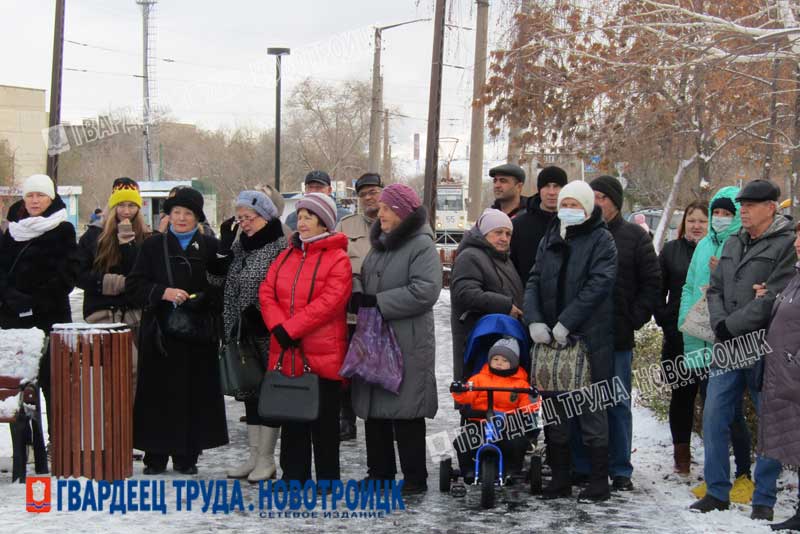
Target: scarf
[(310, 240), (184, 238), (32, 227)]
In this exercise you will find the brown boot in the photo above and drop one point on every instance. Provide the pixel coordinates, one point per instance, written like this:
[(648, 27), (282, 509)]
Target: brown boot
[(683, 458)]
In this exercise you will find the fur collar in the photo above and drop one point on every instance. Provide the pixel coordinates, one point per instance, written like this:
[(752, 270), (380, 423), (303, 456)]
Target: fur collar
[(269, 234), (399, 235)]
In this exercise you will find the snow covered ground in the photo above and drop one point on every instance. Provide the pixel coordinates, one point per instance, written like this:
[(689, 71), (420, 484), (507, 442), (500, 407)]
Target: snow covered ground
[(658, 504)]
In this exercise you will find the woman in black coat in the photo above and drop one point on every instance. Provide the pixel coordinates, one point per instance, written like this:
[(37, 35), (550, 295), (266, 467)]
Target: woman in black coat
[(38, 265), (179, 408), (484, 281), (570, 295), (674, 259)]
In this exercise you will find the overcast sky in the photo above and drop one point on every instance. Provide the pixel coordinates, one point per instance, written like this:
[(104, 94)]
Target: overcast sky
[(219, 74)]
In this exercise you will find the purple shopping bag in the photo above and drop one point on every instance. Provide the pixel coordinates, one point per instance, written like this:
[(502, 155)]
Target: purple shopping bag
[(374, 354)]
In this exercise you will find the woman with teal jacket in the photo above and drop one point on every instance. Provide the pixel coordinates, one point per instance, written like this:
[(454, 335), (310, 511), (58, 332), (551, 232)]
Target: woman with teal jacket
[(724, 222)]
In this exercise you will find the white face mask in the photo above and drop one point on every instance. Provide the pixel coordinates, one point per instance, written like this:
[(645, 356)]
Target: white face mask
[(571, 216), (720, 224)]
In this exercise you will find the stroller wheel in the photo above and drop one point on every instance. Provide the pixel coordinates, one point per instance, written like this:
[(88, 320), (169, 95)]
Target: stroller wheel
[(488, 477), (445, 474), (535, 474)]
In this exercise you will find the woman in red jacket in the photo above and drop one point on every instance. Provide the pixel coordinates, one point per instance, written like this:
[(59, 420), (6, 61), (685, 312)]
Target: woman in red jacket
[(303, 302)]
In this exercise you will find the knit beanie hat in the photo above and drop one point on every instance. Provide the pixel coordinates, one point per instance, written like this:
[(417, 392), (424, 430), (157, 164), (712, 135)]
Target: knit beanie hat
[(508, 348), (401, 199), (724, 203), (492, 219), (39, 183), (125, 190), (258, 202), (188, 198), (551, 175), (610, 187), (580, 191), (320, 205)]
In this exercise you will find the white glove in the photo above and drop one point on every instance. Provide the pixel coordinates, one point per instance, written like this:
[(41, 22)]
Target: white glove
[(540, 333), (560, 334)]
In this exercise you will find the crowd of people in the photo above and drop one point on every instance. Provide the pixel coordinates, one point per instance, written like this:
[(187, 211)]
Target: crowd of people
[(564, 263)]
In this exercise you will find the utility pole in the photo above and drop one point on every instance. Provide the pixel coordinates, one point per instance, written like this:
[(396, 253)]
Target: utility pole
[(53, 138), (377, 105), (476, 133), (387, 149), (147, 161), (278, 53), (434, 112)]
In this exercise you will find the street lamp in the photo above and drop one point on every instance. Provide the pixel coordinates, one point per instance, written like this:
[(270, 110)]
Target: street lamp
[(278, 53)]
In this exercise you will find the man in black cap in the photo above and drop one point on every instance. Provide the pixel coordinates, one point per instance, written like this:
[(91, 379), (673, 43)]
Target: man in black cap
[(761, 258), (531, 224), (637, 292), (356, 228), (316, 182), (508, 180)]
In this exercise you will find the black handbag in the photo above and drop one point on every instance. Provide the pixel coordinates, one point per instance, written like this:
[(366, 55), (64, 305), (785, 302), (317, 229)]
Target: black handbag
[(240, 365), (187, 322), (289, 398)]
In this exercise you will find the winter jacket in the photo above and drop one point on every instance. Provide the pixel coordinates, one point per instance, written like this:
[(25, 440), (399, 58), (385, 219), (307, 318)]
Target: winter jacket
[(572, 283), (779, 420), (37, 275), (483, 281), (404, 272), (91, 281), (306, 291), (179, 406), (503, 402), (769, 259), (698, 352), (637, 290), (529, 228), (674, 259), (519, 210), (356, 228), (245, 270)]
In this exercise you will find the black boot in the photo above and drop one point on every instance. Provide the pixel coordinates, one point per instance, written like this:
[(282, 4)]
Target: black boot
[(347, 429), (793, 523), (598, 479), (561, 481)]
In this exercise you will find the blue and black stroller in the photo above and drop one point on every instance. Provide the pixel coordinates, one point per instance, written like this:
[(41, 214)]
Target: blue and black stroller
[(484, 464)]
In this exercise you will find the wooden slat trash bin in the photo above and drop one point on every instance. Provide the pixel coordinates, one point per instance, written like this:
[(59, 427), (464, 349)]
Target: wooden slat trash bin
[(92, 434)]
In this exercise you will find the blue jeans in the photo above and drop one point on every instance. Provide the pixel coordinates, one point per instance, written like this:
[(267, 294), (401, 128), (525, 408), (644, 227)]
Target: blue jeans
[(620, 427), (740, 435), (725, 391)]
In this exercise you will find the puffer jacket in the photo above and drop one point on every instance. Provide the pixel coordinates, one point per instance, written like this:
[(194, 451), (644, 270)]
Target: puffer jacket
[(306, 291), (779, 420), (637, 289), (503, 401), (572, 283), (768, 259), (483, 281), (697, 352)]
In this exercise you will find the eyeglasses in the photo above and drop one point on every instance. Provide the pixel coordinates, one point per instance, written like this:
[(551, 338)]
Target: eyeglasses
[(241, 220), (371, 193)]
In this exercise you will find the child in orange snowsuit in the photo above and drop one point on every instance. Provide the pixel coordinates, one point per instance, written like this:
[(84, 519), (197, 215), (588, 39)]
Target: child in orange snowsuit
[(501, 371)]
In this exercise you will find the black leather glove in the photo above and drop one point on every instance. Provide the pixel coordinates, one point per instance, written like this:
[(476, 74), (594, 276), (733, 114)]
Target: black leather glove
[(369, 301), (722, 332), (227, 234), (18, 301), (355, 303), (283, 337), (254, 322), (457, 387)]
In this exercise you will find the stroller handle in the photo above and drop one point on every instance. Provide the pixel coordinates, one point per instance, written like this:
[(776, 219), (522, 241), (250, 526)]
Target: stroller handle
[(461, 387)]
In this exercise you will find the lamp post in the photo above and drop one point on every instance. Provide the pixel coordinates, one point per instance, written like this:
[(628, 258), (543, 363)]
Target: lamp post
[(278, 53)]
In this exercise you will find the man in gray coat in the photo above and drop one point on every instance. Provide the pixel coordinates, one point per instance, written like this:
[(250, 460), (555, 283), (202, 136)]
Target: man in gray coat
[(760, 257)]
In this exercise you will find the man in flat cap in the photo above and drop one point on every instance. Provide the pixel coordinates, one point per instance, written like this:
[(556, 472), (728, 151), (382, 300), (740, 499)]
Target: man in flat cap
[(760, 258), (356, 228), (508, 180)]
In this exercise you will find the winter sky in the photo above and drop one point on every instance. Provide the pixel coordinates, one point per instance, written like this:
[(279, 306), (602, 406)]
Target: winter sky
[(217, 73)]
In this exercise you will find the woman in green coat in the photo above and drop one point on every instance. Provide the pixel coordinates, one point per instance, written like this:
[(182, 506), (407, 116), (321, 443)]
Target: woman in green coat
[(724, 222)]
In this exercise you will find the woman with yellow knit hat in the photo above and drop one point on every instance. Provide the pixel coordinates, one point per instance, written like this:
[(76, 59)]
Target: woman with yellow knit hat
[(108, 255)]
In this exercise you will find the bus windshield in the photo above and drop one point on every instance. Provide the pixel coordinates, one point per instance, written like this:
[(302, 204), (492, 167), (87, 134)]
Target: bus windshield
[(449, 200)]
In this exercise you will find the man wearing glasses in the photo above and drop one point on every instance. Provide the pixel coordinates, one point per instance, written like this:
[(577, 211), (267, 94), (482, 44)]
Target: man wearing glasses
[(356, 228)]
